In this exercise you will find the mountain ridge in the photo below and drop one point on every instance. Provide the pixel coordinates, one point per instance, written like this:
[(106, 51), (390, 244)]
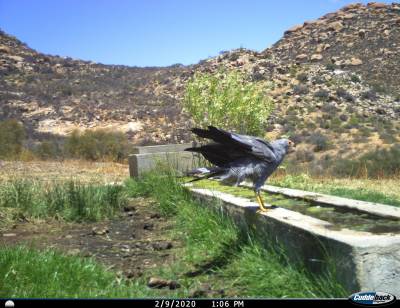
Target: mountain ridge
[(336, 77)]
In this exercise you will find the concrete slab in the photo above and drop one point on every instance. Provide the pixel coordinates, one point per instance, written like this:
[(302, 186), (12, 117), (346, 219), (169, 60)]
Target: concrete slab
[(363, 261), (161, 148)]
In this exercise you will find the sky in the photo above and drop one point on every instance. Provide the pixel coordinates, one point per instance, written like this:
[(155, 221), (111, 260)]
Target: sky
[(154, 32)]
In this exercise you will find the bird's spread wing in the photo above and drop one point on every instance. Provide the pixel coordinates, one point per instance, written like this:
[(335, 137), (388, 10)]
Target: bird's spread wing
[(242, 145)]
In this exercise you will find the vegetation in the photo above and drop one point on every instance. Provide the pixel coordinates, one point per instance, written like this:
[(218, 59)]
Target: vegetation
[(320, 141), (70, 200), (12, 136), (374, 164), (27, 273), (229, 256), (348, 188), (228, 100), (99, 144), (216, 251)]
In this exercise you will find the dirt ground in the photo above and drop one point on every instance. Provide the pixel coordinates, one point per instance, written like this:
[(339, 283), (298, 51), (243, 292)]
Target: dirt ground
[(135, 241)]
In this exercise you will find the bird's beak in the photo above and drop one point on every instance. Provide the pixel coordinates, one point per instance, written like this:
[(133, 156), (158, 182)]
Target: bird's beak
[(292, 146)]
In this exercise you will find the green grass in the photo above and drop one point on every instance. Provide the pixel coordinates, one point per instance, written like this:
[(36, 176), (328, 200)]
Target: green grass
[(215, 251), (26, 272), (224, 255), (304, 182), (70, 200)]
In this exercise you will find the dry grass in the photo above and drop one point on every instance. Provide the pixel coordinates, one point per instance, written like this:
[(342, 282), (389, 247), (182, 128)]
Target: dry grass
[(77, 170), (386, 186)]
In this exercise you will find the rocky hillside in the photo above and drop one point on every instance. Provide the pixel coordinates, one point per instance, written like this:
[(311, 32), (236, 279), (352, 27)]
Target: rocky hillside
[(335, 82), (55, 95)]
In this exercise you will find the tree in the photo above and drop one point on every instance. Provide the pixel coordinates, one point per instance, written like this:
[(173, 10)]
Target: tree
[(228, 100)]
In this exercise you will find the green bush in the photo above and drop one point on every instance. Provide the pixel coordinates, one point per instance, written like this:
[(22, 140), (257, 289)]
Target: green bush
[(97, 144), (12, 137), (48, 149), (374, 164), (227, 100)]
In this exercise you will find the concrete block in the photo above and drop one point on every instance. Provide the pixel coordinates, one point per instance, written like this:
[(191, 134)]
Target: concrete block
[(141, 163)]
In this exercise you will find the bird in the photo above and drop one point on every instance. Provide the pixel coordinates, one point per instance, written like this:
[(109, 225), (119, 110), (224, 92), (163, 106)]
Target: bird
[(236, 158)]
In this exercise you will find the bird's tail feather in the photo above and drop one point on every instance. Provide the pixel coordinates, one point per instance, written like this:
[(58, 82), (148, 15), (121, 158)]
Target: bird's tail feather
[(204, 173)]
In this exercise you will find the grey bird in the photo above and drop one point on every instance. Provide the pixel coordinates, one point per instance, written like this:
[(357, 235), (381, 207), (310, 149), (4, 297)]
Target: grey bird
[(239, 157)]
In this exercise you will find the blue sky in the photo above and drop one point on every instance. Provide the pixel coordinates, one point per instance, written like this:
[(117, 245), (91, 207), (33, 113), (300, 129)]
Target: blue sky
[(154, 32)]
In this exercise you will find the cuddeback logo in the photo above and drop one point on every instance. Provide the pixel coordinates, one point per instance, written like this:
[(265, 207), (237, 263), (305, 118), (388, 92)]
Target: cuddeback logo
[(372, 298)]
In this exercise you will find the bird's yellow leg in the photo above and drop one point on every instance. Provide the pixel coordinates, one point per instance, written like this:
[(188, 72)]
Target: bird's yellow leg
[(261, 203)]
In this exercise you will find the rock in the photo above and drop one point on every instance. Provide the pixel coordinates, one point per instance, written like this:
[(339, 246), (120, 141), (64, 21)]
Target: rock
[(301, 57), (73, 252), (129, 208), (293, 29), (16, 58), (335, 26), (100, 231), (69, 236), (316, 57), (9, 234), (5, 49), (162, 245), (377, 5), (355, 61), (159, 283), (174, 285), (348, 16), (322, 37), (352, 6), (322, 47), (148, 226)]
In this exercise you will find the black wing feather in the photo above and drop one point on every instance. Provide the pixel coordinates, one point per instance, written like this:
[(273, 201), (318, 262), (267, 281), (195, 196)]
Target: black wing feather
[(241, 144)]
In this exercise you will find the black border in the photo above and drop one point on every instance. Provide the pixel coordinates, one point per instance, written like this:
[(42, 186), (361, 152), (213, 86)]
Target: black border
[(188, 302)]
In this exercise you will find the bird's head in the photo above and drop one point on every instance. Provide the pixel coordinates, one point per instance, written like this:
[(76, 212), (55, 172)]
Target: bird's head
[(287, 144)]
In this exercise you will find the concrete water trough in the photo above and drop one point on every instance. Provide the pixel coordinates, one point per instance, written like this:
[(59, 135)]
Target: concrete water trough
[(360, 239), (363, 260), (146, 158)]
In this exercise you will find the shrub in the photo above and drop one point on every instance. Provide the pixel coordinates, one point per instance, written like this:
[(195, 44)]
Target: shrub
[(374, 164), (342, 93), (97, 144), (48, 149), (300, 89), (330, 66), (302, 77), (355, 78), (343, 117), (354, 122), (304, 155), (322, 94), (12, 137), (320, 141), (227, 100), (370, 95)]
